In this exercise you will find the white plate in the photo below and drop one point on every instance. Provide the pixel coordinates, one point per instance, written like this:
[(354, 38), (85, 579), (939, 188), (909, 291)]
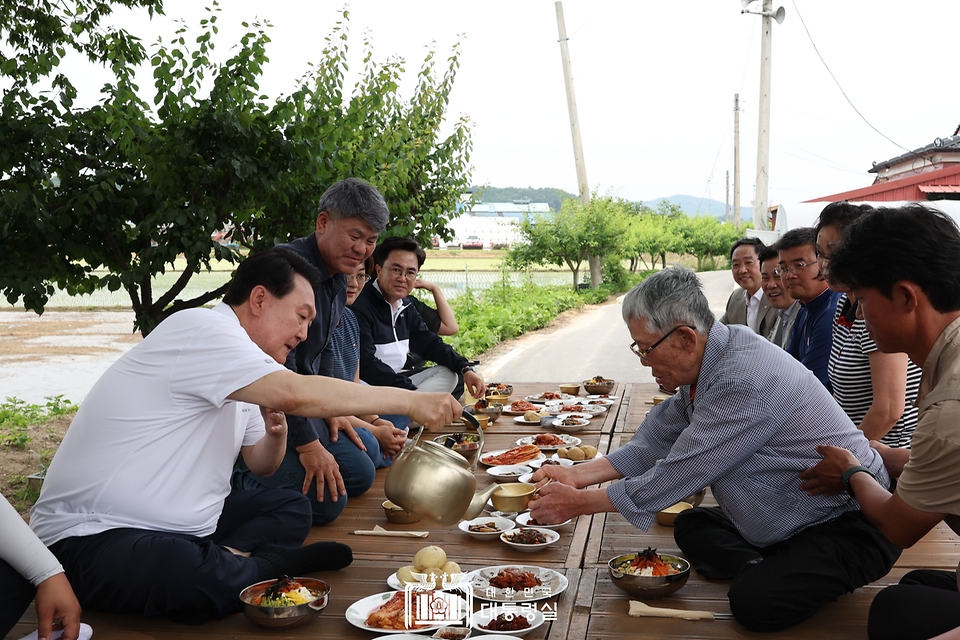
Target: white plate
[(523, 520), (357, 613), (537, 399), (568, 441), (552, 583), (483, 617), (536, 464), (503, 524), (520, 420), (527, 477), (596, 457), (602, 397), (509, 470), (582, 416), (394, 583), (552, 538), (559, 422), (599, 402), (500, 451), (561, 407)]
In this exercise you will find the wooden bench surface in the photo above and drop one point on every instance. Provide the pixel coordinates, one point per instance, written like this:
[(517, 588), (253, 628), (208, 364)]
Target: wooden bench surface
[(591, 607)]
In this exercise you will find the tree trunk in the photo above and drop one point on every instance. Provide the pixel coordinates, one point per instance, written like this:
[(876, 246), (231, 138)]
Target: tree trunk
[(596, 277)]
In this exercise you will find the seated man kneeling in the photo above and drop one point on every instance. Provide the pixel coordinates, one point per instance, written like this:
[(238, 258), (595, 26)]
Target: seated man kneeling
[(391, 327), (137, 505)]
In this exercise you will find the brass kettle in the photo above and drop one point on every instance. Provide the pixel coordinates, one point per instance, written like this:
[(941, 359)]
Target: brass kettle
[(436, 482)]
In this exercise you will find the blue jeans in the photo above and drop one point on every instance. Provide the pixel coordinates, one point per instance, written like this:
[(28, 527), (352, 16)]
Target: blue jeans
[(356, 467), (370, 441)]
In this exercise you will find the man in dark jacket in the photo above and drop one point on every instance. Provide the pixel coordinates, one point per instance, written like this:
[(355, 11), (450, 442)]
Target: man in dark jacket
[(391, 327), (325, 459)]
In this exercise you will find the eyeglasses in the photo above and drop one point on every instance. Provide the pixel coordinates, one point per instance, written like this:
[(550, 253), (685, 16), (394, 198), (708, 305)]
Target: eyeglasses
[(359, 278), (794, 268), (645, 353), (397, 272)]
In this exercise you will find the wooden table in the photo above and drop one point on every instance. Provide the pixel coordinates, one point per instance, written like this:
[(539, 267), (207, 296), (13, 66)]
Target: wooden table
[(590, 608)]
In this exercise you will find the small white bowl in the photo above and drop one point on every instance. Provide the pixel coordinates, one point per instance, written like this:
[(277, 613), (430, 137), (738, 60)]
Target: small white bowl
[(502, 524), (523, 520), (509, 470), (536, 464), (483, 617), (551, 536)]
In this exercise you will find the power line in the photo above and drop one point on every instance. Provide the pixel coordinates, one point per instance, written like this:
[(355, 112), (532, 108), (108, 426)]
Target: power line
[(850, 102)]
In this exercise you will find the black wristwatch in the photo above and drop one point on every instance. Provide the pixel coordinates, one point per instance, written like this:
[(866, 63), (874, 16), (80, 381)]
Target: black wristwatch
[(467, 368), (845, 478)]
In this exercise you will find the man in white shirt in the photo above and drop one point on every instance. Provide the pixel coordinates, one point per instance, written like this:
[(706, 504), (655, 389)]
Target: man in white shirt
[(779, 298), (748, 305), (137, 505)]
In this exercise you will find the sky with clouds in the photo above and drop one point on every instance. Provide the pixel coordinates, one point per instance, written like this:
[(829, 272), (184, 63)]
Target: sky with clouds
[(655, 83)]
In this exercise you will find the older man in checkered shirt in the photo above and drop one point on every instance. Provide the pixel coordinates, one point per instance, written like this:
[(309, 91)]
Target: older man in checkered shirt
[(746, 421)]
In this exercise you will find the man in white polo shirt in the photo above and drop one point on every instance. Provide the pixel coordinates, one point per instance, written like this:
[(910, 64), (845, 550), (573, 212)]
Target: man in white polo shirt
[(137, 504)]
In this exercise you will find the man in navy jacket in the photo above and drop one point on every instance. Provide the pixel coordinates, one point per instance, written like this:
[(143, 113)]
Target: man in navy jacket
[(391, 327)]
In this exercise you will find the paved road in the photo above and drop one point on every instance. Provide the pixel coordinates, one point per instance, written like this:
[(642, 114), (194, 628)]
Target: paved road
[(66, 352), (594, 343)]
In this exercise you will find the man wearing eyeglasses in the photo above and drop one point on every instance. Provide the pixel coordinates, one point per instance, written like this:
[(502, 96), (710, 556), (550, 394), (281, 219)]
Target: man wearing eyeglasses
[(318, 462), (745, 421), (813, 329), (780, 299), (391, 328)]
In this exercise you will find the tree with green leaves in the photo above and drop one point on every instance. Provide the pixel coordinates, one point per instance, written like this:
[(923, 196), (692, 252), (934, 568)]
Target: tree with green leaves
[(705, 238), (568, 236), (130, 185)]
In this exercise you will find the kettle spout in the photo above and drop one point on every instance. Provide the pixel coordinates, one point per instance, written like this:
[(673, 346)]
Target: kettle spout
[(478, 502)]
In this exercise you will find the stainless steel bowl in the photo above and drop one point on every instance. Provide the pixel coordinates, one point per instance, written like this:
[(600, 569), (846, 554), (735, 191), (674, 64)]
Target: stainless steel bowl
[(466, 444), (648, 586), (284, 617), (598, 388), (493, 410), (497, 389)]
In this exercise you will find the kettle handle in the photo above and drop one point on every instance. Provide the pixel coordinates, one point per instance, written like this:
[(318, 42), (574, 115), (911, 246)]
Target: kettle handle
[(469, 420)]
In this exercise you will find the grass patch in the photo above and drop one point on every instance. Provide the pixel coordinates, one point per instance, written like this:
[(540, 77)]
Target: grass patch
[(16, 416)]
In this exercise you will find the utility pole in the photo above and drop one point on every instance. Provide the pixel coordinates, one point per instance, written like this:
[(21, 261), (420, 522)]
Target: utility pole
[(763, 130), (767, 16), (595, 276), (726, 208), (736, 159)]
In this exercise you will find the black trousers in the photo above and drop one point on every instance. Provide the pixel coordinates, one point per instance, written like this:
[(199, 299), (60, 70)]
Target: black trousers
[(187, 578), (925, 604), (16, 594), (782, 585)]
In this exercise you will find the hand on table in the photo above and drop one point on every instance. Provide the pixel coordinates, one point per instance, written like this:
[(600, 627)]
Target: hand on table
[(56, 601), (319, 464), (824, 477)]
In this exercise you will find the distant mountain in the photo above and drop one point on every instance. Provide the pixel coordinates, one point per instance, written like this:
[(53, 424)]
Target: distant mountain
[(553, 197), (693, 206)]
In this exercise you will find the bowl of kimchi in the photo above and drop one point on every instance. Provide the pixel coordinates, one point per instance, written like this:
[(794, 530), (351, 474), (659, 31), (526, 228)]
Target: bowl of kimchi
[(648, 574)]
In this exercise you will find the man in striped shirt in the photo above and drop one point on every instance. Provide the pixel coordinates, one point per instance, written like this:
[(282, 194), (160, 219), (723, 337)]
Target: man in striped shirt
[(746, 421)]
